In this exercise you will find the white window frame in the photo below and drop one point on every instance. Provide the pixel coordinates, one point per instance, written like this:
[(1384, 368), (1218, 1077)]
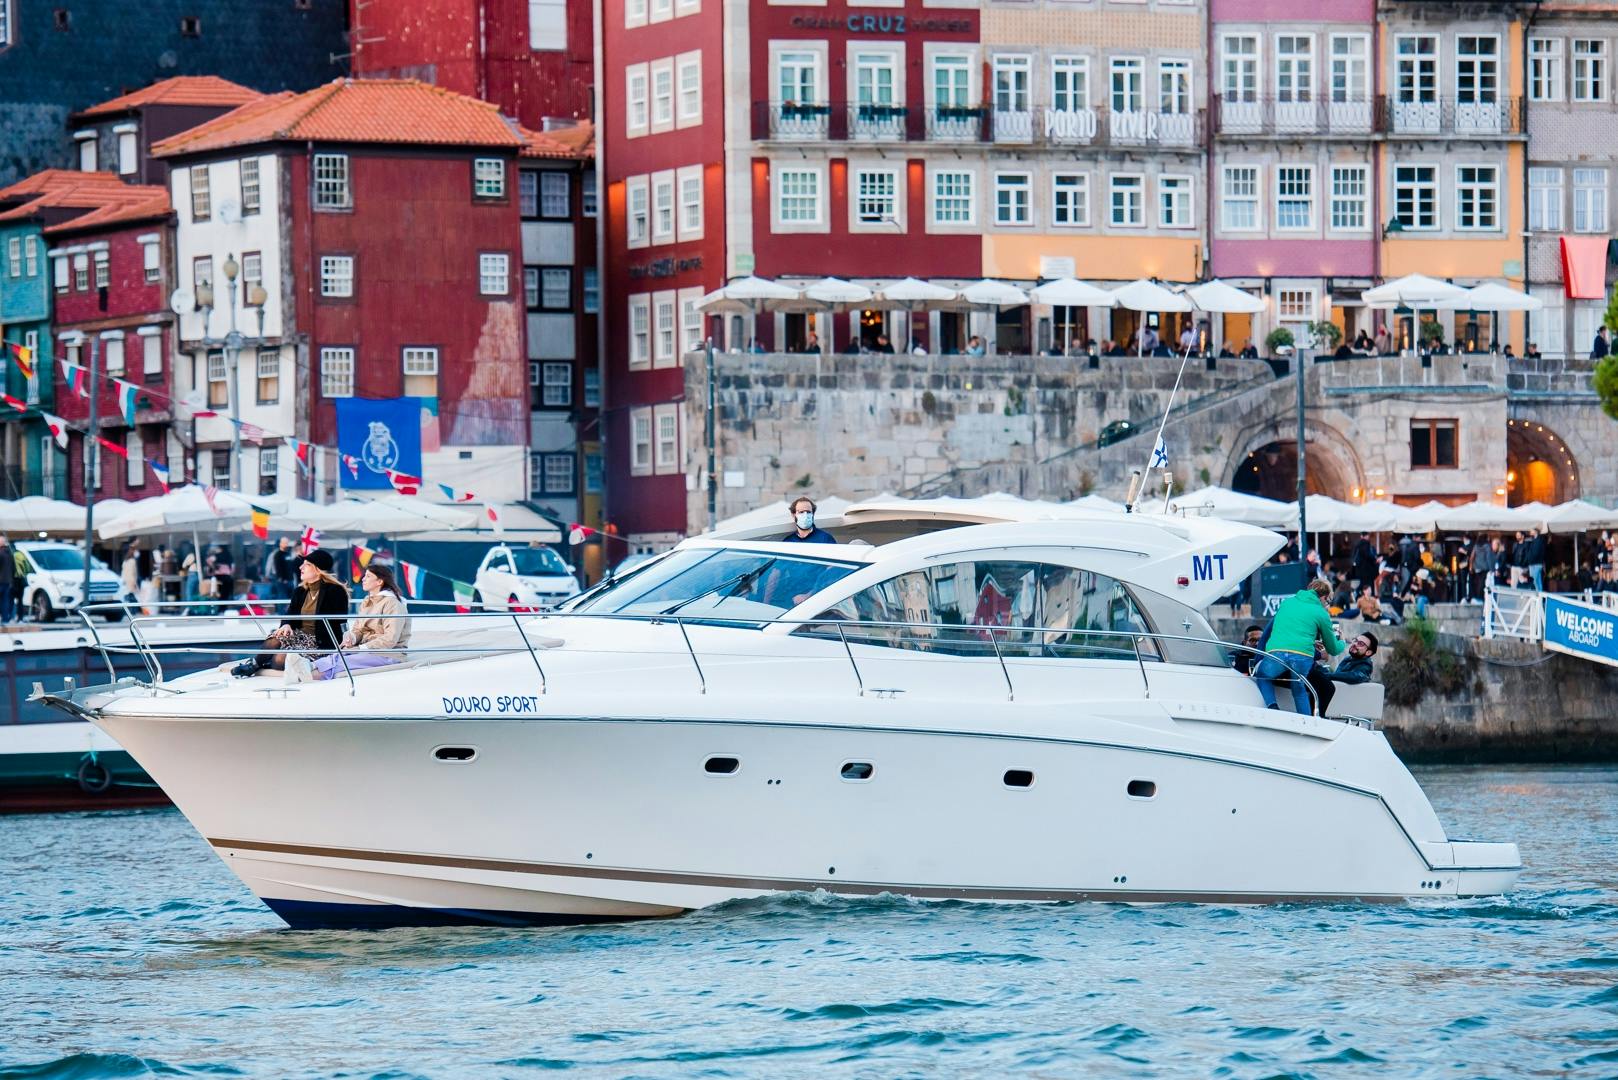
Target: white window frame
[(556, 288), (336, 372), (1070, 83), (1251, 180), (634, 13), (103, 268), (555, 197), (1547, 74), (640, 441), (640, 331), (665, 329), (488, 178), (637, 101), (1472, 191), (556, 384), (870, 206), (494, 268), (1545, 198), (1294, 71), (1241, 72), (637, 212), (1590, 193), (688, 89), (333, 187), (691, 321), (1347, 203), (1348, 72), (128, 148), (1011, 215), (14, 253), (1070, 200), (663, 209), (1131, 182), (1416, 186), (966, 199), (779, 195), (688, 182), (1176, 198), (1132, 90), (1295, 305), (337, 275), (661, 11), (1589, 70), (665, 438), (201, 193), (251, 181), (1284, 173), (1175, 96), (1488, 68), (662, 94)]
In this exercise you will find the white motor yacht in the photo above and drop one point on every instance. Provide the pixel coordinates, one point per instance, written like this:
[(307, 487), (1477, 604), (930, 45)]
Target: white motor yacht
[(1029, 708)]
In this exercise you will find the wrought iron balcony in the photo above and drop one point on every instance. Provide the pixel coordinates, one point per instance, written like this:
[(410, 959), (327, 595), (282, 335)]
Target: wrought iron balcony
[(1459, 117), (1035, 126), (1283, 117)]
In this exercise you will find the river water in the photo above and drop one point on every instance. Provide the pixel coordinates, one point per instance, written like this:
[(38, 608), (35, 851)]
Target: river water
[(127, 949)]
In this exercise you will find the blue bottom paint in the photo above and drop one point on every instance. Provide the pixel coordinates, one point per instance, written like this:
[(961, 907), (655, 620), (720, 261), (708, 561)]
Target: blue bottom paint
[(313, 915)]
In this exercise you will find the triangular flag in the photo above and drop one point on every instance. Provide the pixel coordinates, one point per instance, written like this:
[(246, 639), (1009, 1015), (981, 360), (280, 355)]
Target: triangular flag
[(58, 428), (211, 495), (578, 534), (300, 452), (74, 375), (309, 540), (353, 464), (456, 496), (494, 519), (252, 433), (126, 400), (162, 474), (25, 359), (404, 483), (112, 447), (360, 557), (261, 522), (415, 579), (464, 595), (15, 403)]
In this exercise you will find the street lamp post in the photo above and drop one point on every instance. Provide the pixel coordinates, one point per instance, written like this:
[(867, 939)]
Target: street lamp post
[(233, 343)]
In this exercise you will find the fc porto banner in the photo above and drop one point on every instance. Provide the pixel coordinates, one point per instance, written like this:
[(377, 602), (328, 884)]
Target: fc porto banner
[(1581, 630), (381, 436)]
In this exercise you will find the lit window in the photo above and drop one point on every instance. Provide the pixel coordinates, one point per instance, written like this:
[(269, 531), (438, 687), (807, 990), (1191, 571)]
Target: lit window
[(250, 186), (336, 373), (337, 275), (494, 273), (331, 182), (1070, 199), (489, 178), (954, 202), (201, 203)]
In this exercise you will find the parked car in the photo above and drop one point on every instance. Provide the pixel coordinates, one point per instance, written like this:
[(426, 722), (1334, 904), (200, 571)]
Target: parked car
[(56, 580), (523, 579), (1118, 429)]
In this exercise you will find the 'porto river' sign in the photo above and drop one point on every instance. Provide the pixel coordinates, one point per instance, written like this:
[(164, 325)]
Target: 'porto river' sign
[(1581, 630)]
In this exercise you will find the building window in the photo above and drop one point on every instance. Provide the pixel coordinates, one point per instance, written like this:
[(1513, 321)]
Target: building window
[(268, 372), (1350, 68), (1174, 202), (557, 385), (337, 275), (587, 193), (1295, 305), (634, 13), (952, 82), (558, 474), (218, 380), (1127, 195), (269, 468), (1070, 199), (530, 287), (1012, 90), (87, 153), (528, 193), (250, 186), (331, 182), (555, 198), (134, 460), (1239, 69), (798, 78), (219, 468), (420, 366), (81, 272), (14, 255), (1477, 197), (547, 25), (663, 208), (591, 300), (488, 178), (1433, 444), (1415, 196), (1589, 69), (876, 197), (201, 275), (1295, 197), (954, 202), (663, 329), (337, 373), (640, 441), (201, 203), (690, 320), (639, 218), (30, 254), (1589, 200), (494, 273), (252, 271), (103, 270), (635, 104), (690, 78), (662, 10), (640, 331), (151, 261), (1012, 198), (666, 452), (662, 94), (592, 388), (1239, 202), (1070, 83), (1174, 87), (1350, 197), (1545, 69), (112, 356), (1294, 68), (1128, 94), (691, 223), (60, 270), (151, 354), (797, 198), (1544, 200), (128, 150), (556, 288), (1415, 73)]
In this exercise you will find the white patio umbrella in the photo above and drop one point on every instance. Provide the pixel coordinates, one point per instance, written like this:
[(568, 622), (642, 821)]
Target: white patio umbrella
[(993, 295), (36, 514), (1491, 296), (183, 509), (1071, 293), (1227, 505), (389, 515), (1483, 516), (1412, 290), (1146, 295), (1418, 519), (1217, 298), (1579, 516), (835, 294), (748, 296), (913, 296)]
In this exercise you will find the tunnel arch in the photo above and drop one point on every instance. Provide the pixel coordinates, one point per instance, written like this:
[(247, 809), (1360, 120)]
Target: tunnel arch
[(1266, 463), (1540, 466)]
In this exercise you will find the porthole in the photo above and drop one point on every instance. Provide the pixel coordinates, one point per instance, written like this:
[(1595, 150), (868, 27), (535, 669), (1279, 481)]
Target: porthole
[(1018, 778), (458, 755), (721, 766), (858, 771), (1142, 789)]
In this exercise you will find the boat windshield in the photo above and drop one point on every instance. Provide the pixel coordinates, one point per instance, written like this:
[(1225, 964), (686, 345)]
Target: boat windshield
[(698, 584), (538, 562)]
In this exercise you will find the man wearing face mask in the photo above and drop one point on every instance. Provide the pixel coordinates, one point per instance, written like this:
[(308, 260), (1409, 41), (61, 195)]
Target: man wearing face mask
[(805, 531)]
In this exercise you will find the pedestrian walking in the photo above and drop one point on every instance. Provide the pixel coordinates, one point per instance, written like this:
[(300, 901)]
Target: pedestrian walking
[(8, 571)]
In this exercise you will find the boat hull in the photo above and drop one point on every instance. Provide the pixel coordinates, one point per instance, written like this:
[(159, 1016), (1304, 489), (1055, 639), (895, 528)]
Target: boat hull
[(349, 823)]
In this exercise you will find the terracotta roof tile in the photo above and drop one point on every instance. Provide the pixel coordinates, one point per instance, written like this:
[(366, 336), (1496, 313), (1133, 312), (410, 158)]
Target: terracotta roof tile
[(105, 199), (400, 112), (180, 90), (577, 141)]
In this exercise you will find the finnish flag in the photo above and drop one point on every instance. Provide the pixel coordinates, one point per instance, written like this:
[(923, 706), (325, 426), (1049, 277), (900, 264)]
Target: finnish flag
[(1160, 454)]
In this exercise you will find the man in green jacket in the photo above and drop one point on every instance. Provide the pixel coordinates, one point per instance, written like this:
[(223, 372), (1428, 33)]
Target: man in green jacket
[(1301, 619)]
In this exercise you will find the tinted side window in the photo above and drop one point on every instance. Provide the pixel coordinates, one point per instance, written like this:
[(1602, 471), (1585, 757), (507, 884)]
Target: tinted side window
[(1080, 600)]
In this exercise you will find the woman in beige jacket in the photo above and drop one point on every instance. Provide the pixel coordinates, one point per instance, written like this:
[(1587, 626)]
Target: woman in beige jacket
[(377, 638)]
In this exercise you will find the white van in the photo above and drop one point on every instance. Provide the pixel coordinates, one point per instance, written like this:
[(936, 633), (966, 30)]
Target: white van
[(56, 580)]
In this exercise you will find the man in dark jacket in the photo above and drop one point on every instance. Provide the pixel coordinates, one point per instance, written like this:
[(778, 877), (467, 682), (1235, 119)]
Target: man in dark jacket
[(8, 571), (1354, 668), (1536, 559), (1364, 560)]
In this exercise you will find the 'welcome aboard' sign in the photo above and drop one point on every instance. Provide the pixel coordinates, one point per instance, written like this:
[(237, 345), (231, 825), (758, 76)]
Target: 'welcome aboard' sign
[(1581, 630)]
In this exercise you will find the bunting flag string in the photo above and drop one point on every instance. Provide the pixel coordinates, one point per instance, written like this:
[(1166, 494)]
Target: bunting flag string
[(404, 483), (360, 557), (454, 495), (464, 595), (24, 356), (261, 521), (112, 447), (353, 464), (159, 471), (414, 578), (210, 494), (127, 392), (58, 428), (76, 376), (15, 403)]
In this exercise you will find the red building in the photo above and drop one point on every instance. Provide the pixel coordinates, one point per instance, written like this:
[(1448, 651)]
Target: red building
[(532, 58), (388, 249)]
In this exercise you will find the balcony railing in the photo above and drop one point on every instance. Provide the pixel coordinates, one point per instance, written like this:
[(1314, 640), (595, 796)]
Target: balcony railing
[(1033, 126), (1451, 117)]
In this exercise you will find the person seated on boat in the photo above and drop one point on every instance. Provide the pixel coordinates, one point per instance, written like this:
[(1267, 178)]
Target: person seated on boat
[(1353, 669), (804, 529), (1300, 621), (376, 639), (1245, 661), (314, 617)]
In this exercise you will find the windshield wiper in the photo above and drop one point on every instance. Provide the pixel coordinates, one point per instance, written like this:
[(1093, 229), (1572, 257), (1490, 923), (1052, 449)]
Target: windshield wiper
[(731, 587)]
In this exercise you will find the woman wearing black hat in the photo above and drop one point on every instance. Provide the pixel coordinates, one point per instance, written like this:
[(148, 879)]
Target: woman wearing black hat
[(305, 629)]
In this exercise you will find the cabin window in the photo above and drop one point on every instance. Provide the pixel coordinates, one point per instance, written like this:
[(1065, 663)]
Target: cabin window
[(1142, 789), (1018, 778), (456, 754), (858, 771), (720, 765)]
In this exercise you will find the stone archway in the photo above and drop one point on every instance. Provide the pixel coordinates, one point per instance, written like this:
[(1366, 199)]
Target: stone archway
[(1267, 463), (1539, 465)]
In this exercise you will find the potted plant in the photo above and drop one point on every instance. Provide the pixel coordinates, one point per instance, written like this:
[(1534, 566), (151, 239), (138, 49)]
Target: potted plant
[(1432, 331), (1327, 335), (1279, 341)]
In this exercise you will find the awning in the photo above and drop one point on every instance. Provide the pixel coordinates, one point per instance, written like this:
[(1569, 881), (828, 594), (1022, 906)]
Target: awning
[(1584, 267)]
